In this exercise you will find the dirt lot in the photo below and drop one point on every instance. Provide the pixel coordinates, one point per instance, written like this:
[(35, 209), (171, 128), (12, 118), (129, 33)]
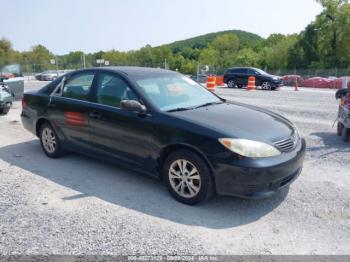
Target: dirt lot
[(78, 205)]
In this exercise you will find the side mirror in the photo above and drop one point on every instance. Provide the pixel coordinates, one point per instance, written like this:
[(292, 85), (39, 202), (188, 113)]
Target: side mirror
[(133, 105)]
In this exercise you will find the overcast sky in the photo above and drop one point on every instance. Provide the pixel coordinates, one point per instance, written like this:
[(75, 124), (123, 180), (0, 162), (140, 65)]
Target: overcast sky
[(93, 25)]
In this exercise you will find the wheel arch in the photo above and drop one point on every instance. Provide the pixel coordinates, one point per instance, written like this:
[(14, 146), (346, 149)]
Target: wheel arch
[(166, 151), (38, 125)]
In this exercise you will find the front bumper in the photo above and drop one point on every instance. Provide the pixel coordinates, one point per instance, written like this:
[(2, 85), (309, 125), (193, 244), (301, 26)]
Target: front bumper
[(277, 84), (258, 178), (5, 104)]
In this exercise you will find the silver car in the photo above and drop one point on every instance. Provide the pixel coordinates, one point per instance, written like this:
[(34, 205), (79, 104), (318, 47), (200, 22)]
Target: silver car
[(47, 75), (6, 99)]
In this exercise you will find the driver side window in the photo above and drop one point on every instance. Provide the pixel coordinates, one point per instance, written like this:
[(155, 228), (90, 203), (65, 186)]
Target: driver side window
[(111, 90)]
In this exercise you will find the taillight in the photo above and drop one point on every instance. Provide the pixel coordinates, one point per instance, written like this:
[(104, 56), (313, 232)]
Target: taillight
[(24, 103)]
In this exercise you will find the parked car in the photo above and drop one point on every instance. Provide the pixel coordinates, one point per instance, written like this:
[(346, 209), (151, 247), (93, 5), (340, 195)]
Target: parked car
[(51, 75), (238, 77), (48, 75), (164, 124), (6, 98)]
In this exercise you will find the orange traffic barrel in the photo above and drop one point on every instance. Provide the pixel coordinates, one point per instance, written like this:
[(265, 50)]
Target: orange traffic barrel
[(251, 83), (219, 80), (211, 83)]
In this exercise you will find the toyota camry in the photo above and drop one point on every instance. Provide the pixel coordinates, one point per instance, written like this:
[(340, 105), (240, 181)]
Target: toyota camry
[(163, 124)]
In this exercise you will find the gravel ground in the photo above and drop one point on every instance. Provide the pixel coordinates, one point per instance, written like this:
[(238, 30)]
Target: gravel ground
[(78, 205)]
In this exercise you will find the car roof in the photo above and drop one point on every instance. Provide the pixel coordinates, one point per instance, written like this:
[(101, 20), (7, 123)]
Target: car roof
[(242, 67), (134, 71)]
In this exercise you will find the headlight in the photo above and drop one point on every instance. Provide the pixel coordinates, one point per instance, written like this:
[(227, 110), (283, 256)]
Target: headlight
[(249, 148)]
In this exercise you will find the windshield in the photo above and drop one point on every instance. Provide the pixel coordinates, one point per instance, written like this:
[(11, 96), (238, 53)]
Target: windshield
[(171, 92), (262, 72)]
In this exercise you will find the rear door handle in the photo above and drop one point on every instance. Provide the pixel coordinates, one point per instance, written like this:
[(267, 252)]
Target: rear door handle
[(95, 115)]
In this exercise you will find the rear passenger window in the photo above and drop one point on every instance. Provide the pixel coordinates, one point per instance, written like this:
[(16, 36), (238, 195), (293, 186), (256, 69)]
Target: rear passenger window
[(111, 90), (78, 86), (242, 71), (48, 89), (251, 72)]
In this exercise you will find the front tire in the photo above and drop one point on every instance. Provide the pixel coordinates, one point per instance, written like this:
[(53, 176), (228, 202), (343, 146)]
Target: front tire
[(339, 128), (266, 86), (187, 177), (345, 134), (6, 109), (50, 142)]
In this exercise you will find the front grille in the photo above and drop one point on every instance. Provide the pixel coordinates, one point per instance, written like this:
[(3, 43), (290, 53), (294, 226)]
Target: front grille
[(287, 145)]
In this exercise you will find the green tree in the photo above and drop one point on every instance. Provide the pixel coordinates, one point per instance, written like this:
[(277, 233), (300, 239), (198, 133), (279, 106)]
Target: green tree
[(226, 48), (276, 56), (39, 57), (332, 24), (209, 56), (246, 57), (116, 58), (7, 54)]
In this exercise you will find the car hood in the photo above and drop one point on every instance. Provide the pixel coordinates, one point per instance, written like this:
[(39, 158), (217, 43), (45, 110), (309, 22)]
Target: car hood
[(273, 76), (235, 120)]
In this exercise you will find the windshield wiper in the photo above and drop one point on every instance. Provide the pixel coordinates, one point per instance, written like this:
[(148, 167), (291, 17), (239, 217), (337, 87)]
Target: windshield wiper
[(180, 109), (209, 104), (195, 107)]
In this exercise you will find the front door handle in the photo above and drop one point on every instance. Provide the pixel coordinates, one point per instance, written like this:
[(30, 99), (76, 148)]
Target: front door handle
[(95, 115)]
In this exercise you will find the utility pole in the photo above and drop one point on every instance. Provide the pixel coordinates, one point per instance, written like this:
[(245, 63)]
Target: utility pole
[(84, 64), (198, 72), (82, 60), (165, 63), (56, 65)]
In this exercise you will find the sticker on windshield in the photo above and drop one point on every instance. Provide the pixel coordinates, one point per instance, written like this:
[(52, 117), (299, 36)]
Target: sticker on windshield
[(175, 89)]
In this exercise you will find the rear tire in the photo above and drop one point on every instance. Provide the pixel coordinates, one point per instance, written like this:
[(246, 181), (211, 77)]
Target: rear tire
[(50, 142), (339, 128), (187, 177), (345, 134)]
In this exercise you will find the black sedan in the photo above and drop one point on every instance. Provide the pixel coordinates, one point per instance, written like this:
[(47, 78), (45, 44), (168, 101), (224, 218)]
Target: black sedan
[(164, 124)]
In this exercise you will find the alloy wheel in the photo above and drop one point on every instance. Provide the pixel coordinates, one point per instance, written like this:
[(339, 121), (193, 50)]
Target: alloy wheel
[(184, 178), (266, 86), (49, 140)]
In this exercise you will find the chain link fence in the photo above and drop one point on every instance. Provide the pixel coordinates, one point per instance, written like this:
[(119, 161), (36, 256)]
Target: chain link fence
[(322, 78)]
